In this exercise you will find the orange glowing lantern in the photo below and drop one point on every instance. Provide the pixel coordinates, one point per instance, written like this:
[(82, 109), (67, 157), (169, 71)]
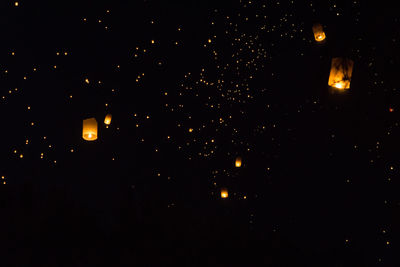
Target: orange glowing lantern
[(107, 120), (89, 131), (224, 193), (319, 33), (341, 71), (238, 162)]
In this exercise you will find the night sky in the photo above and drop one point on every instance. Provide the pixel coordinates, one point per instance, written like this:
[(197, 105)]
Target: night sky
[(193, 85)]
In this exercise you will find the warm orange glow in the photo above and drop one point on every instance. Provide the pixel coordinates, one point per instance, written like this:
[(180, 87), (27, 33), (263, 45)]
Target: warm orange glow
[(320, 37), (89, 130), (107, 120), (339, 85), (391, 109), (319, 33), (340, 75), (224, 193), (238, 162)]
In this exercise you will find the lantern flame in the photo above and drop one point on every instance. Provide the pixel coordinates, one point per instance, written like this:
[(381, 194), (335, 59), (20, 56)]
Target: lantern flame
[(320, 37), (339, 85)]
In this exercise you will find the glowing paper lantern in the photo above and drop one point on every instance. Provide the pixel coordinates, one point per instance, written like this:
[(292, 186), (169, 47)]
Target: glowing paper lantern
[(319, 33), (238, 162), (224, 193), (89, 131), (341, 71), (107, 120)]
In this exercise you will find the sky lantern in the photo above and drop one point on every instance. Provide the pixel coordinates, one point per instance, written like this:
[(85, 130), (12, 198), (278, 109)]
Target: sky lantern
[(341, 71), (89, 131), (224, 193), (238, 162), (319, 33), (107, 120)]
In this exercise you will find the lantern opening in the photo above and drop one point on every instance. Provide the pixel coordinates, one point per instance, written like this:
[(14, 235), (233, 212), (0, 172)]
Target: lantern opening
[(321, 37)]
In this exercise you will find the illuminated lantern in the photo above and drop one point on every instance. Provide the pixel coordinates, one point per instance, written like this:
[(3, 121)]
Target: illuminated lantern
[(238, 162), (341, 71), (89, 131), (107, 120), (224, 193), (319, 33)]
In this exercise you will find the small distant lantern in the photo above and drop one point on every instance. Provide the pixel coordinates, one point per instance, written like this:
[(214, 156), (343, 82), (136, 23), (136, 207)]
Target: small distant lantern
[(341, 71), (89, 131), (238, 162), (224, 193), (319, 33), (107, 120)]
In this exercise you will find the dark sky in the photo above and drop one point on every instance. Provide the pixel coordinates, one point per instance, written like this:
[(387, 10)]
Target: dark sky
[(192, 85)]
